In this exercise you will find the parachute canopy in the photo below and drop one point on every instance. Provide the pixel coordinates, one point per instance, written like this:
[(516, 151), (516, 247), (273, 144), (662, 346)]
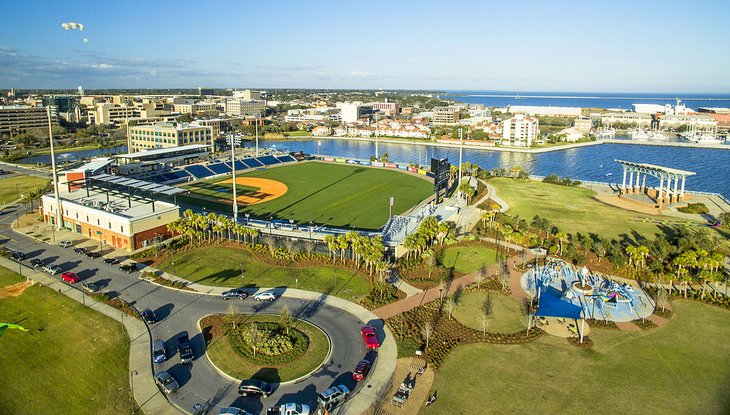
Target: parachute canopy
[(72, 25)]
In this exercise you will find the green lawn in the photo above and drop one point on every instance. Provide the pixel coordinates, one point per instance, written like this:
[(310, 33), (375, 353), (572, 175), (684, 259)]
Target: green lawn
[(337, 194), (506, 314), (682, 368), (72, 361), (467, 259), (12, 187), (573, 209), (222, 267), (226, 359), (214, 188)]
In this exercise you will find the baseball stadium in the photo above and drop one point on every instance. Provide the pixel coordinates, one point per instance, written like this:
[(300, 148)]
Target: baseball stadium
[(325, 192)]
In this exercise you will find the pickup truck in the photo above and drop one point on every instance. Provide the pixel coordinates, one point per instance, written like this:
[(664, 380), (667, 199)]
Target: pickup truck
[(183, 345), (289, 409)]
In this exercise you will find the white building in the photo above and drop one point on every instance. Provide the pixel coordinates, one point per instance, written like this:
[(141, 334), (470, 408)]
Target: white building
[(353, 111), (610, 118), (520, 131), (701, 121)]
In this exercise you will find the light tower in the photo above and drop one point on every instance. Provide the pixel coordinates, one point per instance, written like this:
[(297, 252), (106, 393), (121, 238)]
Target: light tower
[(233, 165)]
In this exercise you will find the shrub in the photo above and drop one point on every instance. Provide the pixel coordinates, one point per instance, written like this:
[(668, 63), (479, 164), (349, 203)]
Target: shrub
[(698, 208), (274, 347)]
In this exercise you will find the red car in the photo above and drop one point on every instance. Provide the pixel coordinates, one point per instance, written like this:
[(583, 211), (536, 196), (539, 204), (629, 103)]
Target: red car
[(70, 277), (361, 370), (368, 334)]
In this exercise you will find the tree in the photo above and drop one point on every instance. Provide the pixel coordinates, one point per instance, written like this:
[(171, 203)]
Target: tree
[(254, 335), (287, 320), (725, 219), (427, 331), (232, 315), (384, 158), (450, 306), (600, 250), (487, 311), (481, 275), (662, 299)]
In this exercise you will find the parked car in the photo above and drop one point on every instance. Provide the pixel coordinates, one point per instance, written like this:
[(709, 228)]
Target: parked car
[(369, 336), (18, 256), (239, 293), (35, 262), (159, 354), (149, 316), (70, 277), (333, 396), (111, 261), (254, 387), (65, 244), (93, 254), (166, 382), (52, 269), (128, 268), (232, 410), (90, 287), (361, 370), (289, 409), (80, 250), (268, 295), (183, 346)]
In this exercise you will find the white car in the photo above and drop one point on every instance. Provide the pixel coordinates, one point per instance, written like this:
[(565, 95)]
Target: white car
[(65, 244), (268, 295), (52, 269)]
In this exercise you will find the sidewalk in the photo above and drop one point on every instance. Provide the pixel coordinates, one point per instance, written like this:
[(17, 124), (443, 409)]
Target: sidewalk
[(148, 397)]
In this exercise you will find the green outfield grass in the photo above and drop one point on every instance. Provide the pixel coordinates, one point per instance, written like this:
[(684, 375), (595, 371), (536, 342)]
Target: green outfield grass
[(71, 361), (681, 368), (216, 189), (333, 194), (221, 266), (12, 187)]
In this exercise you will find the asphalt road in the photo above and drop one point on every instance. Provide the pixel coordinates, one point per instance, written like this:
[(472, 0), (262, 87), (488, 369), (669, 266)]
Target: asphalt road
[(180, 311)]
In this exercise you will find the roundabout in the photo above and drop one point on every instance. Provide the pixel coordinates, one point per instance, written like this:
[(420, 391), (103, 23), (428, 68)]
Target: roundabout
[(282, 358)]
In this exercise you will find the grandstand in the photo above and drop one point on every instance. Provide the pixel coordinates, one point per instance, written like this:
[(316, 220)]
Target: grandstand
[(219, 168)]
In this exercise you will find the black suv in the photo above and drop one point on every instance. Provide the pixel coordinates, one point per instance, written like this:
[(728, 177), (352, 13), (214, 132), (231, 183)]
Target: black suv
[(128, 268), (80, 250), (183, 346), (255, 387), (93, 254), (239, 293), (149, 316), (18, 256)]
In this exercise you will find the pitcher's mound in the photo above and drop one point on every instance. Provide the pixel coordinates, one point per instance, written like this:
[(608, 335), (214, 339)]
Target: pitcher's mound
[(14, 290)]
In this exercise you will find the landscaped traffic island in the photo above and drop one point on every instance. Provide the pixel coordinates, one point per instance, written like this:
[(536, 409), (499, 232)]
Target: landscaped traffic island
[(266, 347)]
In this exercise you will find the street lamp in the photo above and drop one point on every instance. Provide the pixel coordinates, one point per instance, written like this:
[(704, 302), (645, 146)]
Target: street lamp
[(247, 215), (241, 264), (271, 225), (99, 233)]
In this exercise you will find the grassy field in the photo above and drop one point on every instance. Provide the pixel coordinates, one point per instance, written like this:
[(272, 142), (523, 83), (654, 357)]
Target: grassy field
[(682, 368), (467, 259), (221, 266), (215, 189), (572, 209), (506, 314), (72, 361), (12, 187), (226, 359), (337, 195)]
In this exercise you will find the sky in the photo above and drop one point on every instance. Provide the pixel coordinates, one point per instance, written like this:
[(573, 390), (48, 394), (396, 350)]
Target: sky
[(591, 46)]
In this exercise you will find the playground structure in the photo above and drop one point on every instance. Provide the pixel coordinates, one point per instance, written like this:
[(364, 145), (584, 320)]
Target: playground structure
[(562, 291)]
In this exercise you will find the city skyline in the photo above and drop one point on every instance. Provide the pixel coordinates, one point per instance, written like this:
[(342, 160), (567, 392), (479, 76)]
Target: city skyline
[(521, 46)]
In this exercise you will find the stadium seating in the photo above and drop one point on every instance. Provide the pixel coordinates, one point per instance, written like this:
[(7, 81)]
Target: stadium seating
[(252, 163), (286, 159), (199, 171), (219, 168), (268, 160), (176, 175), (240, 165)]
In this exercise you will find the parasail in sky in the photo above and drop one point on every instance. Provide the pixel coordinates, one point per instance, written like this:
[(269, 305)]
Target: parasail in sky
[(72, 25)]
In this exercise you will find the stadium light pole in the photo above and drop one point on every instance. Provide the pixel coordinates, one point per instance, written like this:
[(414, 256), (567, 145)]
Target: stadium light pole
[(233, 165), (377, 158), (461, 152), (58, 216), (256, 124)]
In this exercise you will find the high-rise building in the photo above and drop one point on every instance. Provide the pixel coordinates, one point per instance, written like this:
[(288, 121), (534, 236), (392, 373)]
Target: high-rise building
[(353, 111), (16, 119), (520, 131), (445, 115), (241, 106)]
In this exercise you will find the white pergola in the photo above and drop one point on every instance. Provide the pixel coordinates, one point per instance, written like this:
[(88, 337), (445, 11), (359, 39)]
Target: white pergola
[(665, 193)]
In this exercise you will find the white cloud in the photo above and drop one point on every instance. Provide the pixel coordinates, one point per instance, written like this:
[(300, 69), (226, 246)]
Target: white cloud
[(360, 74)]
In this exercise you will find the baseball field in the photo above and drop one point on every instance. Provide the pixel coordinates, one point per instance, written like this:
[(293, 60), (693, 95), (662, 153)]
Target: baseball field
[(323, 193)]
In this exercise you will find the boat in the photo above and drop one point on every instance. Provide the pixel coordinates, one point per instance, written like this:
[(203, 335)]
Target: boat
[(656, 135), (638, 134), (609, 174), (707, 136), (605, 133)]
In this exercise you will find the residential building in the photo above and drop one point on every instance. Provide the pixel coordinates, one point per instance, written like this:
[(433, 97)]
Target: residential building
[(545, 110), (519, 131), (321, 130), (240, 106), (700, 121), (16, 119), (247, 95), (167, 134), (445, 115), (353, 111)]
